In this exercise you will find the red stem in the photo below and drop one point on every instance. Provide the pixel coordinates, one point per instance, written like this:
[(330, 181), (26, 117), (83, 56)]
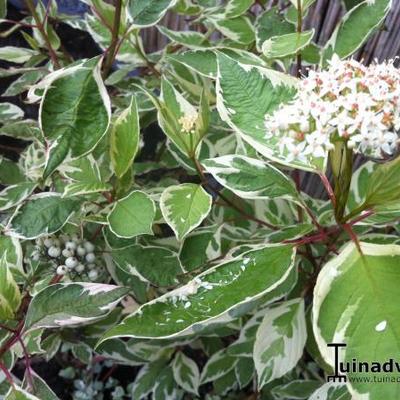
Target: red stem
[(328, 188)]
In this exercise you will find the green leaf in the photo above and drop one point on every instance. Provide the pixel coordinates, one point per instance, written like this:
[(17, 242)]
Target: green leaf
[(17, 55), (286, 45), (270, 24), (10, 248), (186, 373), (82, 188), (10, 296), (125, 139), (41, 389), (10, 173), (146, 379), (244, 371), (355, 302), (357, 26), (13, 195), (146, 13), (17, 393), (157, 265), (74, 112), (280, 341), (250, 178), (133, 215), (184, 207), (383, 186), (245, 95), (44, 214), (222, 289), (72, 304)]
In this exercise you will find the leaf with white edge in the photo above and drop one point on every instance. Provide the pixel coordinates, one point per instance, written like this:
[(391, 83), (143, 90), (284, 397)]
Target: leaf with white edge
[(9, 111), (364, 316), (82, 188), (331, 391), (133, 215), (179, 119), (166, 388), (298, 389), (286, 45), (280, 341), (13, 195), (235, 8), (17, 55), (157, 265), (41, 389), (10, 172), (357, 26), (186, 373), (72, 304), (304, 4), (44, 214), (145, 13), (10, 295), (125, 139), (245, 95), (244, 371), (74, 112), (250, 178), (239, 29), (17, 393), (146, 379), (190, 39), (10, 248), (218, 365), (184, 207), (210, 296), (271, 23)]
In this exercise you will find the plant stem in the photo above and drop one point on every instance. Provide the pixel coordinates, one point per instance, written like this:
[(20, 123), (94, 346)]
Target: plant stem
[(299, 28), (40, 26), (111, 51)]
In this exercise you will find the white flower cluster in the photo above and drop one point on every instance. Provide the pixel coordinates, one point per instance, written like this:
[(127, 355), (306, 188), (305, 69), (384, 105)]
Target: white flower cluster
[(69, 255), (188, 122), (347, 102)]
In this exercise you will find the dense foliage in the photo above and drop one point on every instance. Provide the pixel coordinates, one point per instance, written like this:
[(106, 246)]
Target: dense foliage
[(201, 266)]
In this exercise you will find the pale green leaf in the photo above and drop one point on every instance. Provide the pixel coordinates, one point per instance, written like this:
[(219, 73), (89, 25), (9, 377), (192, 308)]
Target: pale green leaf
[(250, 178), (133, 215), (190, 39), (17, 55), (186, 373), (17, 393), (9, 111), (125, 139), (235, 8), (357, 26), (10, 296), (355, 303), (239, 29), (331, 391), (184, 207), (280, 341), (286, 45)]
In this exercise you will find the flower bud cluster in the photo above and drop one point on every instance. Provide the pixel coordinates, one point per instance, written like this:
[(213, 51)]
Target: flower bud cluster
[(188, 122), (347, 102), (69, 255)]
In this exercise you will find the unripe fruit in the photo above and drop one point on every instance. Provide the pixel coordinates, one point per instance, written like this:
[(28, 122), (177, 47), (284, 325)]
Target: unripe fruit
[(71, 262), (48, 242), (67, 253), (79, 268), (70, 245), (54, 251), (62, 270), (89, 247), (80, 250), (93, 275), (90, 257)]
